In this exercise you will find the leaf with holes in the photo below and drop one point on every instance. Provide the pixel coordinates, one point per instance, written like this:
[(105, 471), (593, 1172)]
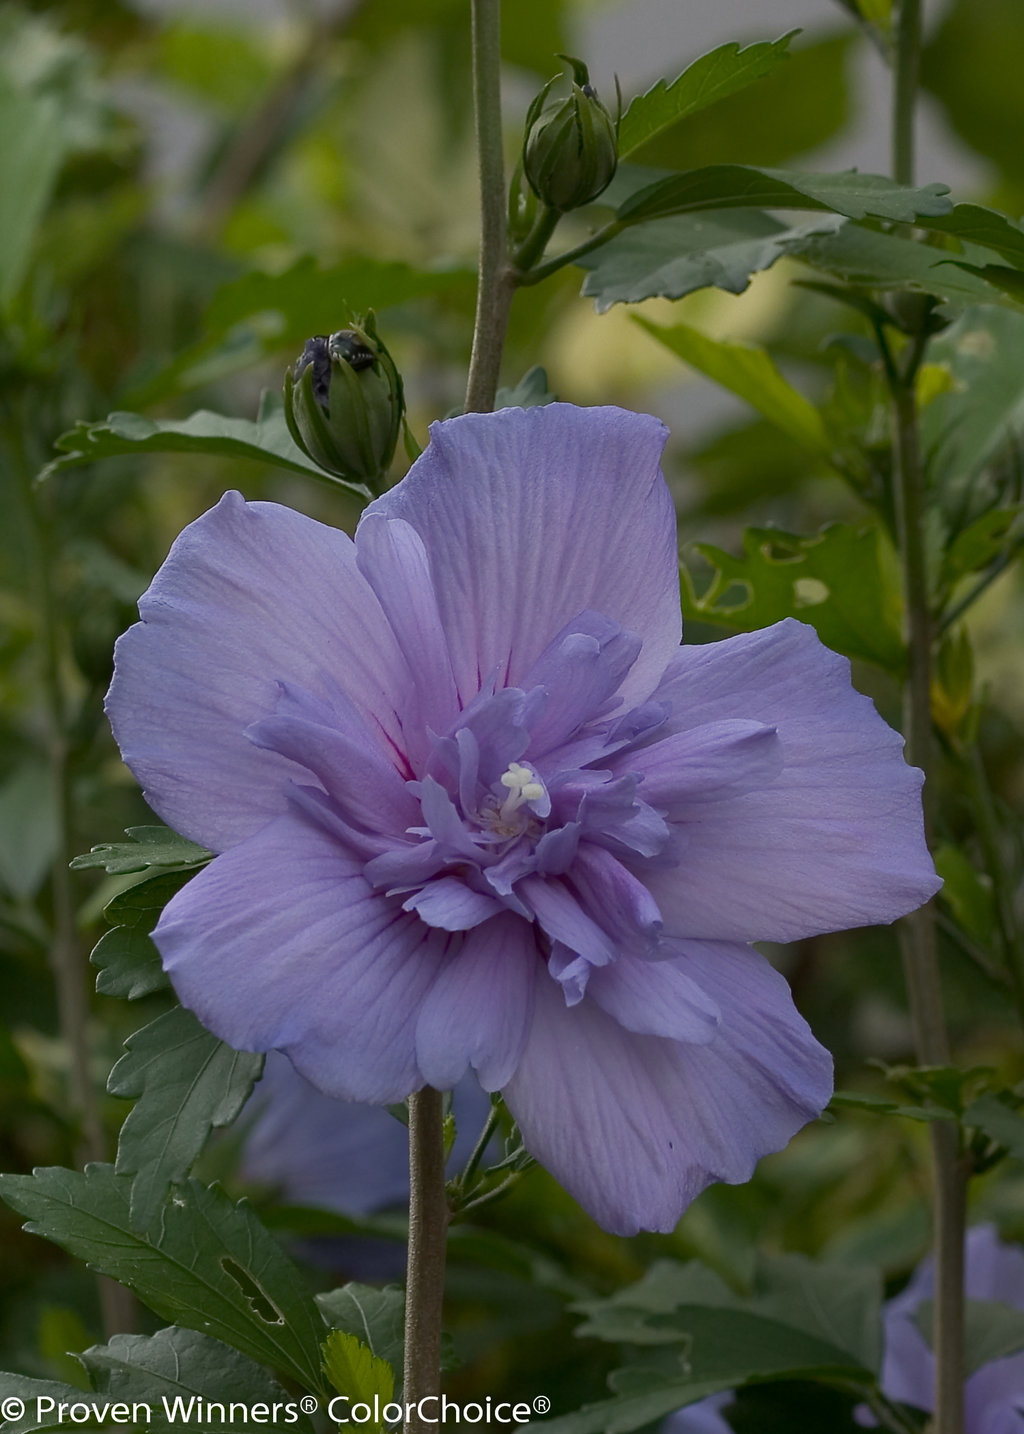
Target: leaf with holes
[(836, 580), (185, 1083), (207, 1263), (719, 73), (177, 1365)]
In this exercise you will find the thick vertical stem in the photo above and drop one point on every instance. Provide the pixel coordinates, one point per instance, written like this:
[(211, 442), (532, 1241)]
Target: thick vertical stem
[(428, 1230), (917, 934), (495, 285)]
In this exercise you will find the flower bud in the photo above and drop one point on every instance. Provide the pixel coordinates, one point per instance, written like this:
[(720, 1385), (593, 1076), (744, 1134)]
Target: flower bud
[(343, 402), (571, 149)]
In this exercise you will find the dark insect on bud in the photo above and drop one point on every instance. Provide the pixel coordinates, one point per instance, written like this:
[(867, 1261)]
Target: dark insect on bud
[(344, 403), (571, 149)]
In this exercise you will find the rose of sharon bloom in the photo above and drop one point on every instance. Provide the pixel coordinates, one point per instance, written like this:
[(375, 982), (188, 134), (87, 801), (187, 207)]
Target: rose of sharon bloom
[(994, 1394), (475, 806)]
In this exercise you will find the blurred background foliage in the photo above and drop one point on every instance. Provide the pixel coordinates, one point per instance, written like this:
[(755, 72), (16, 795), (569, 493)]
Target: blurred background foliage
[(184, 197)]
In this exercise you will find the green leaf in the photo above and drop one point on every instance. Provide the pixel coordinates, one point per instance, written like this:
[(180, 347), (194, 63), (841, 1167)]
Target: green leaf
[(878, 1105), (530, 392), (974, 224), (715, 75), (991, 1330), (670, 258), (208, 1264), (28, 829), (355, 1370), (129, 963), (965, 428), (999, 1121), (374, 1316), (30, 159), (261, 313), (131, 434), (802, 1321), (47, 1420), (178, 1364), (969, 897), (146, 847), (885, 261), (185, 1083), (721, 186), (751, 374), (836, 580)]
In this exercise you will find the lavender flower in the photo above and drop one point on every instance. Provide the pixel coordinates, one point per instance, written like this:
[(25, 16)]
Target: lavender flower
[(477, 808), (994, 1394)]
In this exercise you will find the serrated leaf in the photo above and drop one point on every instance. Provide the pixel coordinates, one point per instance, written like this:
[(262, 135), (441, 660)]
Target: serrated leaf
[(802, 1320), (886, 261), (751, 374), (670, 258), (131, 434), (1008, 281), (710, 78), (835, 580), (974, 224), (185, 1083), (146, 847), (208, 1264), (128, 962), (992, 1330), (999, 1121), (728, 186), (181, 1364), (878, 1105), (46, 1420), (355, 1371), (374, 1316)]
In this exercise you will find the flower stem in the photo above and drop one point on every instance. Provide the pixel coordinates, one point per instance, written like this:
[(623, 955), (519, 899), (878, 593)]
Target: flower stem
[(918, 931), (428, 1229), (496, 283)]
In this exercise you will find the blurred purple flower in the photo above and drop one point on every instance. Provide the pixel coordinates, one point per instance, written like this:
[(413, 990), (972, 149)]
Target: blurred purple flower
[(477, 808), (336, 1154), (994, 1394), (701, 1418)]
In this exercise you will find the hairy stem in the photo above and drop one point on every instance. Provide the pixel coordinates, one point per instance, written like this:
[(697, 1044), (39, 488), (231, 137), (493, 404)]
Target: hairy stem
[(428, 1230), (496, 282), (918, 931)]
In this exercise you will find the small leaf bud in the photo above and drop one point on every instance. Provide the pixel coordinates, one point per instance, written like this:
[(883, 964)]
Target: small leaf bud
[(571, 149), (343, 402)]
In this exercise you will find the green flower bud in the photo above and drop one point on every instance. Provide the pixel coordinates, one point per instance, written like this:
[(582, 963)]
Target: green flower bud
[(571, 149), (343, 402)]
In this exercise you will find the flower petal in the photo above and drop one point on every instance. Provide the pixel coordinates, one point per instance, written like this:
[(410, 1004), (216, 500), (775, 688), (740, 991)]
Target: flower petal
[(530, 516), (452, 905), (250, 595), (478, 1010), (655, 998), (281, 943), (392, 558), (635, 1126), (835, 840)]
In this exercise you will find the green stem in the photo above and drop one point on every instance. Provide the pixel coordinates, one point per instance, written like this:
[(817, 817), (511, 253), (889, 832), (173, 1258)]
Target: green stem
[(544, 271), (533, 246), (496, 283), (917, 931), (483, 1140), (428, 1231)]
